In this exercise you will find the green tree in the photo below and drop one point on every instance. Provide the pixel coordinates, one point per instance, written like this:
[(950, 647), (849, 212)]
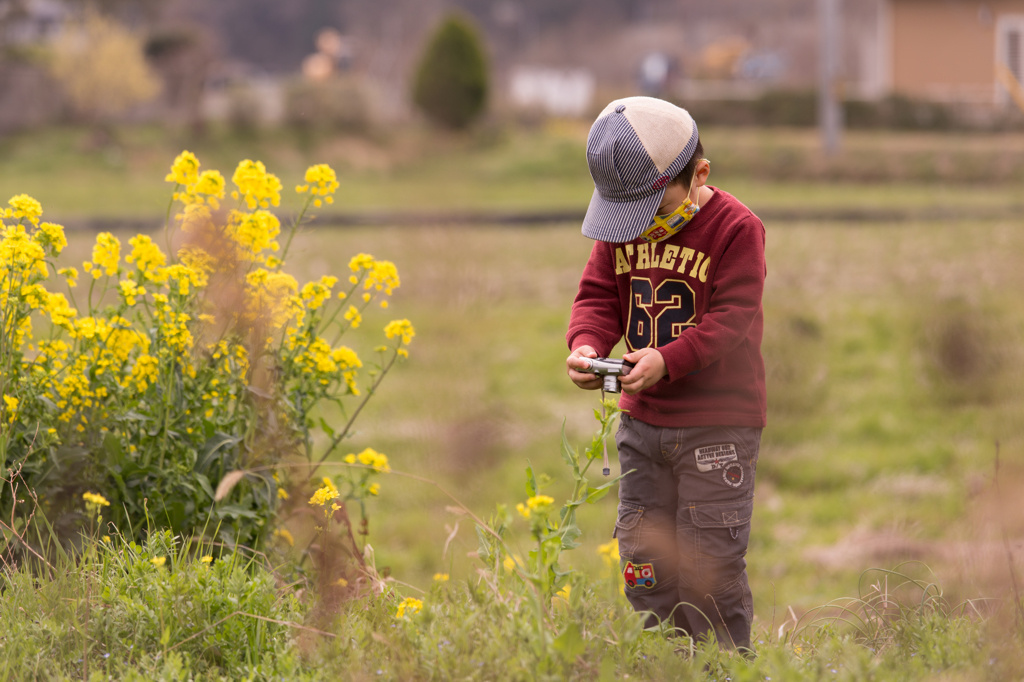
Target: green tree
[(451, 82)]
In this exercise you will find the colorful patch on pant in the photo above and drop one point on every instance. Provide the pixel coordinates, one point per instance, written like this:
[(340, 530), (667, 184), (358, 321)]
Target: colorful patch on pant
[(639, 574), (733, 475), (711, 457)]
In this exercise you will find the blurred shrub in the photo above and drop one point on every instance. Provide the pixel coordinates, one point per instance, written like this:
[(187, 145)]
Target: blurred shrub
[(183, 387), (451, 82), (799, 108), (334, 105), (900, 112), (796, 367), (968, 352), (102, 68), (245, 111)]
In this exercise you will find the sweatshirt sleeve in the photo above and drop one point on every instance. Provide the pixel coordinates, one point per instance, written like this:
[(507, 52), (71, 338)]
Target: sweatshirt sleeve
[(596, 318), (735, 300)]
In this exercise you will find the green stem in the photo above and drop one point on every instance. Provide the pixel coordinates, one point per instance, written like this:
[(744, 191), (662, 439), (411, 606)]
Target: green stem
[(294, 229), (348, 425)]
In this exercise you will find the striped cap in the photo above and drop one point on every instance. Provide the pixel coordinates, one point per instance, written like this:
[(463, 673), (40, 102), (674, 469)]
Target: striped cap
[(635, 147)]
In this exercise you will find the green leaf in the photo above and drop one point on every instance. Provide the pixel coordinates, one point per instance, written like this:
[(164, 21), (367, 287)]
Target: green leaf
[(484, 549), (595, 494), (531, 482), (216, 443), (569, 537), (570, 643), (327, 429), (569, 454), (204, 483)]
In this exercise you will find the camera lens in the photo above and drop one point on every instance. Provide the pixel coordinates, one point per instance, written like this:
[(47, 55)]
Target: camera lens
[(611, 384)]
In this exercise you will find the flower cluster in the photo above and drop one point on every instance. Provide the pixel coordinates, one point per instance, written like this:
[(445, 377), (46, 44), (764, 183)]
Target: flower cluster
[(195, 187), (321, 181), (155, 367), (409, 606), (609, 553), (257, 187), (537, 503), (371, 458)]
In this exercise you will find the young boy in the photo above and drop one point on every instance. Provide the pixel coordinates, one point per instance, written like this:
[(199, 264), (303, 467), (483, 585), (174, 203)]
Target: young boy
[(678, 270)]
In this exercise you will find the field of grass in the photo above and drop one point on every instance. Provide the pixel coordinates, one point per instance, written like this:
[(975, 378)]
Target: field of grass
[(894, 352), (415, 172)]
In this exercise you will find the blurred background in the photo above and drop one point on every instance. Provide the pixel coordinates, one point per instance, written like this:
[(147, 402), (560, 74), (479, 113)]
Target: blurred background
[(881, 142)]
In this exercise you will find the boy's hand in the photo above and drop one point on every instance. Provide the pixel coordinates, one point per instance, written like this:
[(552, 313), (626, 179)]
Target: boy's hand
[(649, 370), (584, 380)]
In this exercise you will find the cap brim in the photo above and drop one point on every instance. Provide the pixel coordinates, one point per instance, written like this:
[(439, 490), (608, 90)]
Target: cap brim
[(619, 221)]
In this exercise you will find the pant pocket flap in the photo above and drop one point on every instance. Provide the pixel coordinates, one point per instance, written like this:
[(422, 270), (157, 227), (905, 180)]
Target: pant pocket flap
[(722, 514), (629, 516)]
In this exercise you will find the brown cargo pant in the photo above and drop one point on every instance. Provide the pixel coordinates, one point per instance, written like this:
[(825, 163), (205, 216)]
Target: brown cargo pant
[(684, 524)]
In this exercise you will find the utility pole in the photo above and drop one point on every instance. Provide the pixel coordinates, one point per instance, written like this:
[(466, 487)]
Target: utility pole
[(830, 112)]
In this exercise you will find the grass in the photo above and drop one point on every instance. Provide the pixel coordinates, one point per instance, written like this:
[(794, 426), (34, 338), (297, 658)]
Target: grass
[(892, 349), (863, 403), (416, 172)]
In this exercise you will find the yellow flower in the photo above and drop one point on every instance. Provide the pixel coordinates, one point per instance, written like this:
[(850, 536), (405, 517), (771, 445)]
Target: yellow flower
[(324, 495), (374, 489), (106, 253), (401, 328), (207, 559), (350, 458), (209, 182), (184, 170), (539, 502), (282, 494), (52, 235), (285, 535), (145, 372), (323, 177), (511, 562), (565, 592), (129, 289), (383, 276), (158, 560), (410, 606), (341, 582), (146, 255), (12, 406), (71, 274), (441, 577), (523, 511), (255, 231), (95, 499), (256, 186), (106, 538), (377, 460), (361, 261), (24, 206), (353, 316), (315, 293), (609, 552)]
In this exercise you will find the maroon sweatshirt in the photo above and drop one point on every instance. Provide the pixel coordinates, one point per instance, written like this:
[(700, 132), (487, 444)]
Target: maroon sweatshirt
[(696, 297)]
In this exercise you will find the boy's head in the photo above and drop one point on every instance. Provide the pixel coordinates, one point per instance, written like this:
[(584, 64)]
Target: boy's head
[(636, 147)]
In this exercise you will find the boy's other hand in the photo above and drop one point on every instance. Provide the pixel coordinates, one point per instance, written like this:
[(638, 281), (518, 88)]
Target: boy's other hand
[(649, 370), (574, 362)]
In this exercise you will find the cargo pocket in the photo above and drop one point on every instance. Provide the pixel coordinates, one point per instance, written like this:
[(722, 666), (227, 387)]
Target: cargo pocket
[(723, 531), (627, 528)]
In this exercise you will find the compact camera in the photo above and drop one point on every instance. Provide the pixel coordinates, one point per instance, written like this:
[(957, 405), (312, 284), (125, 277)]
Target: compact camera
[(610, 369)]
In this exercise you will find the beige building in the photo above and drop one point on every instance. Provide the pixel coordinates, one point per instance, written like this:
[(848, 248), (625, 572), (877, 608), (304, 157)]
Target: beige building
[(951, 50)]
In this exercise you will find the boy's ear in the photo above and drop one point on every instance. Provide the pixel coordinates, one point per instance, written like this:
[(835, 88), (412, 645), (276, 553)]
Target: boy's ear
[(702, 172)]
